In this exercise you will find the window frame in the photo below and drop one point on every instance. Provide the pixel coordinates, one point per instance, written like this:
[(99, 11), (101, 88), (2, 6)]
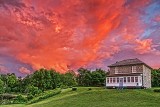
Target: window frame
[(136, 79), (132, 79), (134, 69), (128, 79), (108, 80), (116, 70), (124, 79), (111, 80), (117, 79), (114, 80)]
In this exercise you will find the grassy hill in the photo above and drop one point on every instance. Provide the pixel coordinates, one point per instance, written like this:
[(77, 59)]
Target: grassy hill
[(99, 97)]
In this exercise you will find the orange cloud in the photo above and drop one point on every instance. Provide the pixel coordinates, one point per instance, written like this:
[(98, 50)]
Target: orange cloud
[(144, 46), (64, 34)]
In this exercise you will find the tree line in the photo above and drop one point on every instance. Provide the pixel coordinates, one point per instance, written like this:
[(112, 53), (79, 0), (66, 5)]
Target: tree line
[(44, 79)]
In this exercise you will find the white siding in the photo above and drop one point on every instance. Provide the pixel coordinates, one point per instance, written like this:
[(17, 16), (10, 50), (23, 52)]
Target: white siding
[(116, 84)]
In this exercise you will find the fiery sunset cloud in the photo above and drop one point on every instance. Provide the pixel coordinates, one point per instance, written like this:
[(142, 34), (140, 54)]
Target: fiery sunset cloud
[(68, 34)]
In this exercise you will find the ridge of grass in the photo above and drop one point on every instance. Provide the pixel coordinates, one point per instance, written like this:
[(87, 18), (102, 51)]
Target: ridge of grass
[(99, 97)]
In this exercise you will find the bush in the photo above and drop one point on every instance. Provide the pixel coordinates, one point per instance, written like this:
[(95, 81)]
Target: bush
[(89, 88), (47, 95), (30, 96), (157, 90), (20, 99), (33, 90), (74, 89), (63, 87)]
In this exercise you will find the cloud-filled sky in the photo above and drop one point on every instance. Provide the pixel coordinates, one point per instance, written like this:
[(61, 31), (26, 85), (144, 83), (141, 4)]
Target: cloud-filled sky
[(68, 34)]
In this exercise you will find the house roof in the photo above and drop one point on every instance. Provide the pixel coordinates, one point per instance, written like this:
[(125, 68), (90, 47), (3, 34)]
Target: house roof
[(135, 61)]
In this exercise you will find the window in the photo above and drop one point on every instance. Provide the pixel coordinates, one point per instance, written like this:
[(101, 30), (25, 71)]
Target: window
[(110, 80), (118, 80), (107, 80), (128, 78), (114, 80), (124, 79), (134, 69), (136, 79), (132, 79), (116, 70)]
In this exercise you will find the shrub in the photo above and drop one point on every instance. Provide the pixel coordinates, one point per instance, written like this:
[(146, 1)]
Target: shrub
[(19, 99), (30, 96), (89, 88), (74, 89), (157, 90), (64, 87), (47, 95), (33, 90)]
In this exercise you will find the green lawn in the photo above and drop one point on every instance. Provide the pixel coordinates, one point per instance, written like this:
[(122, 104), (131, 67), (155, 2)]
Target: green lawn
[(99, 97)]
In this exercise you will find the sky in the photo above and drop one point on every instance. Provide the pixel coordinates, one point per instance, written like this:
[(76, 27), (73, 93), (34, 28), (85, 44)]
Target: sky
[(69, 34)]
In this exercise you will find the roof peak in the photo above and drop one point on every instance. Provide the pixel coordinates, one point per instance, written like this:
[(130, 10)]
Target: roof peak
[(132, 61)]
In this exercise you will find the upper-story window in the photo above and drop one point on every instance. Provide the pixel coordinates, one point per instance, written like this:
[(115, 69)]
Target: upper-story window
[(134, 69), (116, 70)]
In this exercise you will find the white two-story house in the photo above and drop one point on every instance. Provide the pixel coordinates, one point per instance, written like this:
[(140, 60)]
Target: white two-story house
[(129, 73)]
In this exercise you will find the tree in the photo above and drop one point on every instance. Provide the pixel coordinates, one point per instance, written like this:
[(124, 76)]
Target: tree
[(69, 78), (1, 87), (98, 77), (11, 81), (155, 77), (45, 79), (91, 78), (84, 77)]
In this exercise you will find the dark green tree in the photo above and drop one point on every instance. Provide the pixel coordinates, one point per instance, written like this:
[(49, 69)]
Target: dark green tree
[(1, 86), (11, 82), (98, 77), (155, 77), (69, 78), (84, 77)]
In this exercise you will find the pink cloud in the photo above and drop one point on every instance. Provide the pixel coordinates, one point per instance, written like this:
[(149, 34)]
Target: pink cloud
[(157, 18), (24, 70), (144, 46), (3, 69), (70, 33)]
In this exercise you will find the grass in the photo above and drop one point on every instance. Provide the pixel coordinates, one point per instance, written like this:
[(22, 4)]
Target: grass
[(99, 97)]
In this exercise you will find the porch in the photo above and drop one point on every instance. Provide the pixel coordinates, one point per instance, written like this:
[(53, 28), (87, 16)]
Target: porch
[(124, 81)]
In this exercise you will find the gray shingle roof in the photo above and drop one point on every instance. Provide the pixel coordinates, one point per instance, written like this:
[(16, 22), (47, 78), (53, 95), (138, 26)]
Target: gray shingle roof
[(127, 62)]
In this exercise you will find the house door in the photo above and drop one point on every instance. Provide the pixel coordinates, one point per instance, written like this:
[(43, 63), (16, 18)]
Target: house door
[(121, 82)]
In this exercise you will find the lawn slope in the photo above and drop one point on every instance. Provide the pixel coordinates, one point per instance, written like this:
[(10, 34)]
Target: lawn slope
[(99, 97)]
